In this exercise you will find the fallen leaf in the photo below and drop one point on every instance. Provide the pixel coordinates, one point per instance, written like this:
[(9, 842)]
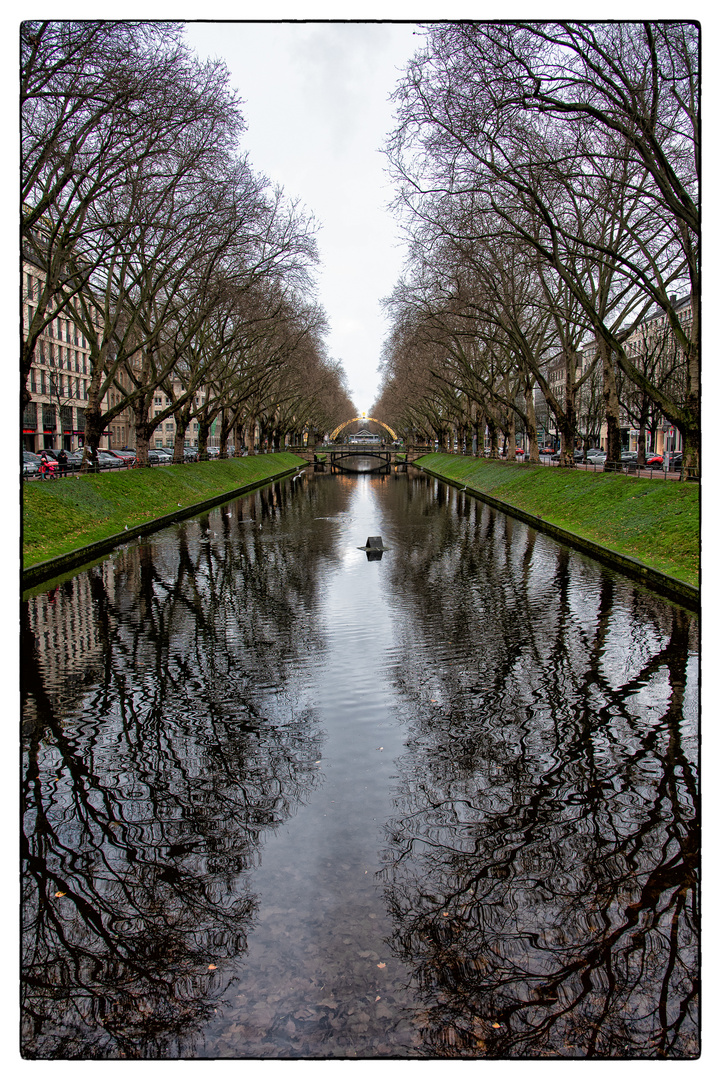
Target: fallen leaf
[(61, 894), (381, 965), (378, 997), (495, 1025), (212, 967), (445, 914)]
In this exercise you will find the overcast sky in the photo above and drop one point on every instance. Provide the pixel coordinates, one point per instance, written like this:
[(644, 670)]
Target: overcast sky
[(317, 113)]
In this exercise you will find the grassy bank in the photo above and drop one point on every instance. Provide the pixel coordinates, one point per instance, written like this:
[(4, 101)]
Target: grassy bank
[(59, 517), (654, 521)]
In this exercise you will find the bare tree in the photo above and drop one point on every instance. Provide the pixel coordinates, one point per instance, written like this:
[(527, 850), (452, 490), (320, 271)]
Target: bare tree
[(485, 109), (97, 98)]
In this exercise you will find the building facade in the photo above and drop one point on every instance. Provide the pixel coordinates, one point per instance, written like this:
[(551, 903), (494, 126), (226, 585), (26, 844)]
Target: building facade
[(652, 343), (58, 383)]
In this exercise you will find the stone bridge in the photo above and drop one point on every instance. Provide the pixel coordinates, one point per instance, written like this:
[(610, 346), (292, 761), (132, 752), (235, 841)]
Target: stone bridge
[(343, 456)]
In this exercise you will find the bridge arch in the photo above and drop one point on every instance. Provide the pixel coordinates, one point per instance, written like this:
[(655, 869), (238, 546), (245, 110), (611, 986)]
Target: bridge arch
[(361, 420)]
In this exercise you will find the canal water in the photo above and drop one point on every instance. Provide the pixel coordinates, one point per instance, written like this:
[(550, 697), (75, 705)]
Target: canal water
[(284, 798)]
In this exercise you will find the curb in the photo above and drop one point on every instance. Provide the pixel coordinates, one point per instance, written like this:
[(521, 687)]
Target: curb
[(673, 588), (44, 571)]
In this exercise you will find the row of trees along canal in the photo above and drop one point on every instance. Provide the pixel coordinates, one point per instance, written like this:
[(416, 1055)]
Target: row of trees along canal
[(183, 270), (548, 177)]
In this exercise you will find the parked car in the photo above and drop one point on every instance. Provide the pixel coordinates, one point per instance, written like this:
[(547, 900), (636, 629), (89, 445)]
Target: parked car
[(126, 456), (629, 457), (596, 457), (655, 461), (75, 458), (158, 457), (190, 453), (31, 463), (108, 460)]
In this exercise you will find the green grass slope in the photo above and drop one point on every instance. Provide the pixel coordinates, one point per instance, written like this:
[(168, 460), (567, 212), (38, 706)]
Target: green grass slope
[(61, 516), (654, 521)]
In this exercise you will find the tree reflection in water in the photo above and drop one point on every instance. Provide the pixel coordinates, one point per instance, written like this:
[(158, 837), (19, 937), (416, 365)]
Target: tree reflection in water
[(541, 861), (165, 731)]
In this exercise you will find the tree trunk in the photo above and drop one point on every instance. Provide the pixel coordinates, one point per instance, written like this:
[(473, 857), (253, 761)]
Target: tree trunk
[(510, 447), (492, 437), (94, 427), (642, 423), (203, 433), (568, 420), (143, 434), (224, 432), (181, 426), (610, 399), (94, 419), (250, 434), (531, 427)]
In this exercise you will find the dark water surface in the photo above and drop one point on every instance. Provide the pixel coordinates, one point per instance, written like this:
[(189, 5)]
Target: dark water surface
[(282, 800)]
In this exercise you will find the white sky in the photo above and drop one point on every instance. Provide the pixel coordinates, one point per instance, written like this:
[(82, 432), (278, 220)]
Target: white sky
[(317, 114)]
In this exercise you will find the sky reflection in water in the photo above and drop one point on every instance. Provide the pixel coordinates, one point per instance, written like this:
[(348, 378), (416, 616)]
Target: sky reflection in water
[(281, 801)]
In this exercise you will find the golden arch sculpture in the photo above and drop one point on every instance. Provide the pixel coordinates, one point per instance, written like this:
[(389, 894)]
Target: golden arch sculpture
[(362, 420)]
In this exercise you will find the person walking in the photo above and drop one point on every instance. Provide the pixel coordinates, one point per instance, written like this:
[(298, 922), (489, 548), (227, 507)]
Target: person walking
[(46, 468), (63, 463)]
